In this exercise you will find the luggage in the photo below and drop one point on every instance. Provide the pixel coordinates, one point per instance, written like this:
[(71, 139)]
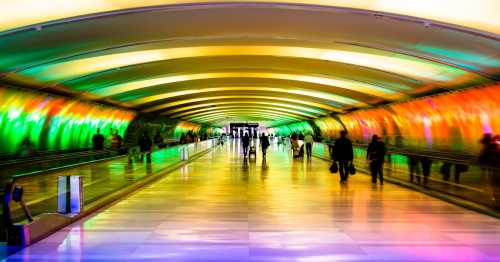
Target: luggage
[(296, 152), (334, 168), (352, 169), (252, 151), (301, 151)]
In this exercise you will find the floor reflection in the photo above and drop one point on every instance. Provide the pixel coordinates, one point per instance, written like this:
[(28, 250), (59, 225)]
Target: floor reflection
[(223, 207)]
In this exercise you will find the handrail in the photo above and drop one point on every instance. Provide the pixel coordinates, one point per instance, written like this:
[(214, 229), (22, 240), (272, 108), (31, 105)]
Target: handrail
[(445, 156), (18, 176), (35, 159)]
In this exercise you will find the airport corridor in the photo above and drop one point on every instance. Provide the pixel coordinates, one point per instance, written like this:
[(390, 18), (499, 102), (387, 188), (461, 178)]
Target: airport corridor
[(221, 207)]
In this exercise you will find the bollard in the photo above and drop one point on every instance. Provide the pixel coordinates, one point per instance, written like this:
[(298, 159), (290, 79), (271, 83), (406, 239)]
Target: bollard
[(70, 194), (184, 153)]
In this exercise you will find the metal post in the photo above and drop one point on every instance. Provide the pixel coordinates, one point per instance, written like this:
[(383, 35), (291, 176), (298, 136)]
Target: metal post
[(70, 194), (184, 153)]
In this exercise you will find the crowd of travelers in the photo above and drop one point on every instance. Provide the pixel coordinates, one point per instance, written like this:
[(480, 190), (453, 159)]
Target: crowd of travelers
[(188, 137), (248, 149), (341, 152), (115, 140)]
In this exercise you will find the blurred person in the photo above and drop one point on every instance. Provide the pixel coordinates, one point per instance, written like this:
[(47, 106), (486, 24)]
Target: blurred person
[(26, 148), (120, 139), (487, 155), (426, 168), (98, 140), (490, 166), (375, 155), (413, 167), (145, 145), (111, 141), (115, 141), (182, 139), (158, 140), (294, 143), (445, 170), (245, 140), (460, 168), (308, 141), (264, 143), (343, 154)]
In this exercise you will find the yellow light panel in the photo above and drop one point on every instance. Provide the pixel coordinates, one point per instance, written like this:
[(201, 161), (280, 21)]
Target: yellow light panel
[(246, 114), (335, 82), (239, 110), (214, 109), (480, 15), (381, 60), (243, 102), (314, 94), (194, 100)]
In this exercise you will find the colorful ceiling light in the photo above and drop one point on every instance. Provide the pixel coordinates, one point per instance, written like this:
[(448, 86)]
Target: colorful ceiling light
[(328, 81), (264, 114), (245, 110), (314, 94), (201, 99), (207, 106), (234, 107), (372, 58), (481, 15)]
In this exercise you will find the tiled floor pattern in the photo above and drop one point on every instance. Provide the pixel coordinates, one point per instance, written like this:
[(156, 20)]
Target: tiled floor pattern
[(222, 208)]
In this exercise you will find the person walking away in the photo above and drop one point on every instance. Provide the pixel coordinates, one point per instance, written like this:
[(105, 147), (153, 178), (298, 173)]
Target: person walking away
[(343, 154), (145, 145), (98, 140), (308, 140), (245, 140), (264, 143), (295, 147), (158, 139), (426, 168), (114, 140), (413, 167), (375, 155), (27, 148)]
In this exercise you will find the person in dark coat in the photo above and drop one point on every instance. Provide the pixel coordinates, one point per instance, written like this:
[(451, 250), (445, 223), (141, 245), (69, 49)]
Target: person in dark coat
[(343, 154), (98, 140), (375, 155), (245, 140), (264, 143), (145, 145), (158, 139)]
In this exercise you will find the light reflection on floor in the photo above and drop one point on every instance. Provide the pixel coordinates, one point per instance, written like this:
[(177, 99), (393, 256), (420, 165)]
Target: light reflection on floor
[(221, 208)]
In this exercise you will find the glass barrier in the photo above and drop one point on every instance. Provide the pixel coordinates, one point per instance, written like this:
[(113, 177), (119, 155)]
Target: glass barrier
[(460, 178), (99, 179)]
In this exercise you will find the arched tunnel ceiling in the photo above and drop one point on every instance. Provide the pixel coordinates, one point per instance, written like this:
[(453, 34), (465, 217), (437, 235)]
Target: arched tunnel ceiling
[(273, 62)]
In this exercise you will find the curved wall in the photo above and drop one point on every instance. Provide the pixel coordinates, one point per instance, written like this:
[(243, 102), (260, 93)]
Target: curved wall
[(52, 122), (452, 121), (286, 130)]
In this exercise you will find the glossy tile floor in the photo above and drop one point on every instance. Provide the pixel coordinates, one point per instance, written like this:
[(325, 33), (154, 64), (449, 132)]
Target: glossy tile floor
[(222, 208)]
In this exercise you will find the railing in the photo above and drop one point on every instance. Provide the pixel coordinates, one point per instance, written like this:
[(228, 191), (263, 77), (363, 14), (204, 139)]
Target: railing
[(457, 175), (41, 192), (43, 162)]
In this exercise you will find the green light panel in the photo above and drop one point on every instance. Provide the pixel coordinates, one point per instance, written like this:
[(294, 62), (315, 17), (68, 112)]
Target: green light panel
[(54, 123)]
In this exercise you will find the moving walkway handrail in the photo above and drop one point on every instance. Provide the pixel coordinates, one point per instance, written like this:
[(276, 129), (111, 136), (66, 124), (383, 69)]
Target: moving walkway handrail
[(445, 156)]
